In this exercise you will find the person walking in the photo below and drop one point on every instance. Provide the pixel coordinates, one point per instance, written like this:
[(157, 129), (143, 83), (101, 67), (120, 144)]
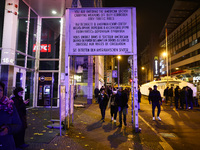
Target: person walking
[(186, 98), (10, 122), (177, 96), (20, 104), (96, 93), (166, 94), (150, 89), (190, 97), (156, 100), (113, 106), (182, 98), (171, 96), (103, 102), (139, 98), (122, 103)]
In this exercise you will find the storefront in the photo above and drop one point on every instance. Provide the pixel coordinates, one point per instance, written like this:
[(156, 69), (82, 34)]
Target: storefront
[(34, 56)]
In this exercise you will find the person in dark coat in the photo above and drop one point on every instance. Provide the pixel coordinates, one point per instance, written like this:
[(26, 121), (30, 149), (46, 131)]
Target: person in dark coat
[(103, 102), (177, 96), (156, 99), (113, 106), (190, 97), (139, 98), (150, 89), (182, 98), (10, 122), (122, 103), (166, 94), (96, 93), (171, 96), (21, 109)]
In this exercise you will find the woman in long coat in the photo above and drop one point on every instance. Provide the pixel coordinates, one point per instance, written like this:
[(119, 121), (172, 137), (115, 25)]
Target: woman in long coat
[(20, 104), (9, 123)]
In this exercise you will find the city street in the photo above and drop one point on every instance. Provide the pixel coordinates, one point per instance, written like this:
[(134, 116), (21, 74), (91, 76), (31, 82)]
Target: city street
[(179, 129)]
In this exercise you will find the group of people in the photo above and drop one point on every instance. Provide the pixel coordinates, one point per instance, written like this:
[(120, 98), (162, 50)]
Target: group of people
[(116, 100), (13, 119), (183, 97)]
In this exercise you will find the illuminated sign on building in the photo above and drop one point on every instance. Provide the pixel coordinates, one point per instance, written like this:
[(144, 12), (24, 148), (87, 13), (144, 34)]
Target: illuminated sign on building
[(114, 73), (109, 76), (156, 74), (43, 48)]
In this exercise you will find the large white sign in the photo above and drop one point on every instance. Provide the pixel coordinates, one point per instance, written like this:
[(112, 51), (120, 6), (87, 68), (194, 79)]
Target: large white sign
[(100, 31)]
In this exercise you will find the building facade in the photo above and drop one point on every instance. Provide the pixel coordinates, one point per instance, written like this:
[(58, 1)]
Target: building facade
[(32, 48), (148, 62), (183, 42)]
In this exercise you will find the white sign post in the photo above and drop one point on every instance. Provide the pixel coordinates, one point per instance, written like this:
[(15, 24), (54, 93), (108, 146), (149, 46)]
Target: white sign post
[(103, 31), (134, 87)]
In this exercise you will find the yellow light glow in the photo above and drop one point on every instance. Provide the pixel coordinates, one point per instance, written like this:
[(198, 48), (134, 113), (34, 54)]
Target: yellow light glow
[(164, 54), (143, 68), (119, 57), (177, 68)]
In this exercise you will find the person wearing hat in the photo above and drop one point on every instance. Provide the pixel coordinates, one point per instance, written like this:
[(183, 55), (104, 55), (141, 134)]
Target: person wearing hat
[(20, 105), (156, 101), (113, 106), (103, 102)]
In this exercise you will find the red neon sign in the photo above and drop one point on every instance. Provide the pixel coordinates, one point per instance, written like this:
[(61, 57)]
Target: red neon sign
[(43, 48)]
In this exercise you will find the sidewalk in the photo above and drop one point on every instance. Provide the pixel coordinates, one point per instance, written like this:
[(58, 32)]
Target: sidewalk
[(87, 132)]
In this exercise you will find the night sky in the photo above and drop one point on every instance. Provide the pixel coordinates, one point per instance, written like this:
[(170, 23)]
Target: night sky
[(151, 17)]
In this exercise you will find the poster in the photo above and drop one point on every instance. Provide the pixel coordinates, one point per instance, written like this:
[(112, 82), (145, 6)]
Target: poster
[(95, 31)]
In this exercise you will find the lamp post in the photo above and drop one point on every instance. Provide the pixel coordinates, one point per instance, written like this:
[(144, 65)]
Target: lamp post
[(143, 68), (118, 57), (165, 54)]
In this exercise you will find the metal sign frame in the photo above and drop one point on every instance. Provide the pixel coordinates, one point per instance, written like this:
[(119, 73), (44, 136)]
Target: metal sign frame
[(87, 20)]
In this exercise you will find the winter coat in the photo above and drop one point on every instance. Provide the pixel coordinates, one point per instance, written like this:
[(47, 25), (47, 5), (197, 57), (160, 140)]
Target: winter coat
[(113, 100), (154, 96), (96, 92), (12, 121), (139, 96), (102, 100), (122, 99), (166, 94), (190, 94), (21, 109), (177, 92), (170, 92)]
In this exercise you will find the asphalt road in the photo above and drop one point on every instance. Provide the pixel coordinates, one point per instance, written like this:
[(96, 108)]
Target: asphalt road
[(179, 128)]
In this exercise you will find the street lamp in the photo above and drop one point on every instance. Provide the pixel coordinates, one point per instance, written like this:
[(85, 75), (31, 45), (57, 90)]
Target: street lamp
[(118, 57), (165, 54), (143, 68)]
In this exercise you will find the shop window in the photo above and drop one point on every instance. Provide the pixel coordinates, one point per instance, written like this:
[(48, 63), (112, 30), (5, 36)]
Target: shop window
[(22, 26), (29, 88), (2, 9), (30, 63), (55, 89), (20, 60), (50, 38), (32, 33), (49, 65)]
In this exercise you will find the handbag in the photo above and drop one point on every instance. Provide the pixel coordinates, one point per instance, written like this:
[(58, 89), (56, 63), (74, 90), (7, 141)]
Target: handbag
[(109, 102)]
